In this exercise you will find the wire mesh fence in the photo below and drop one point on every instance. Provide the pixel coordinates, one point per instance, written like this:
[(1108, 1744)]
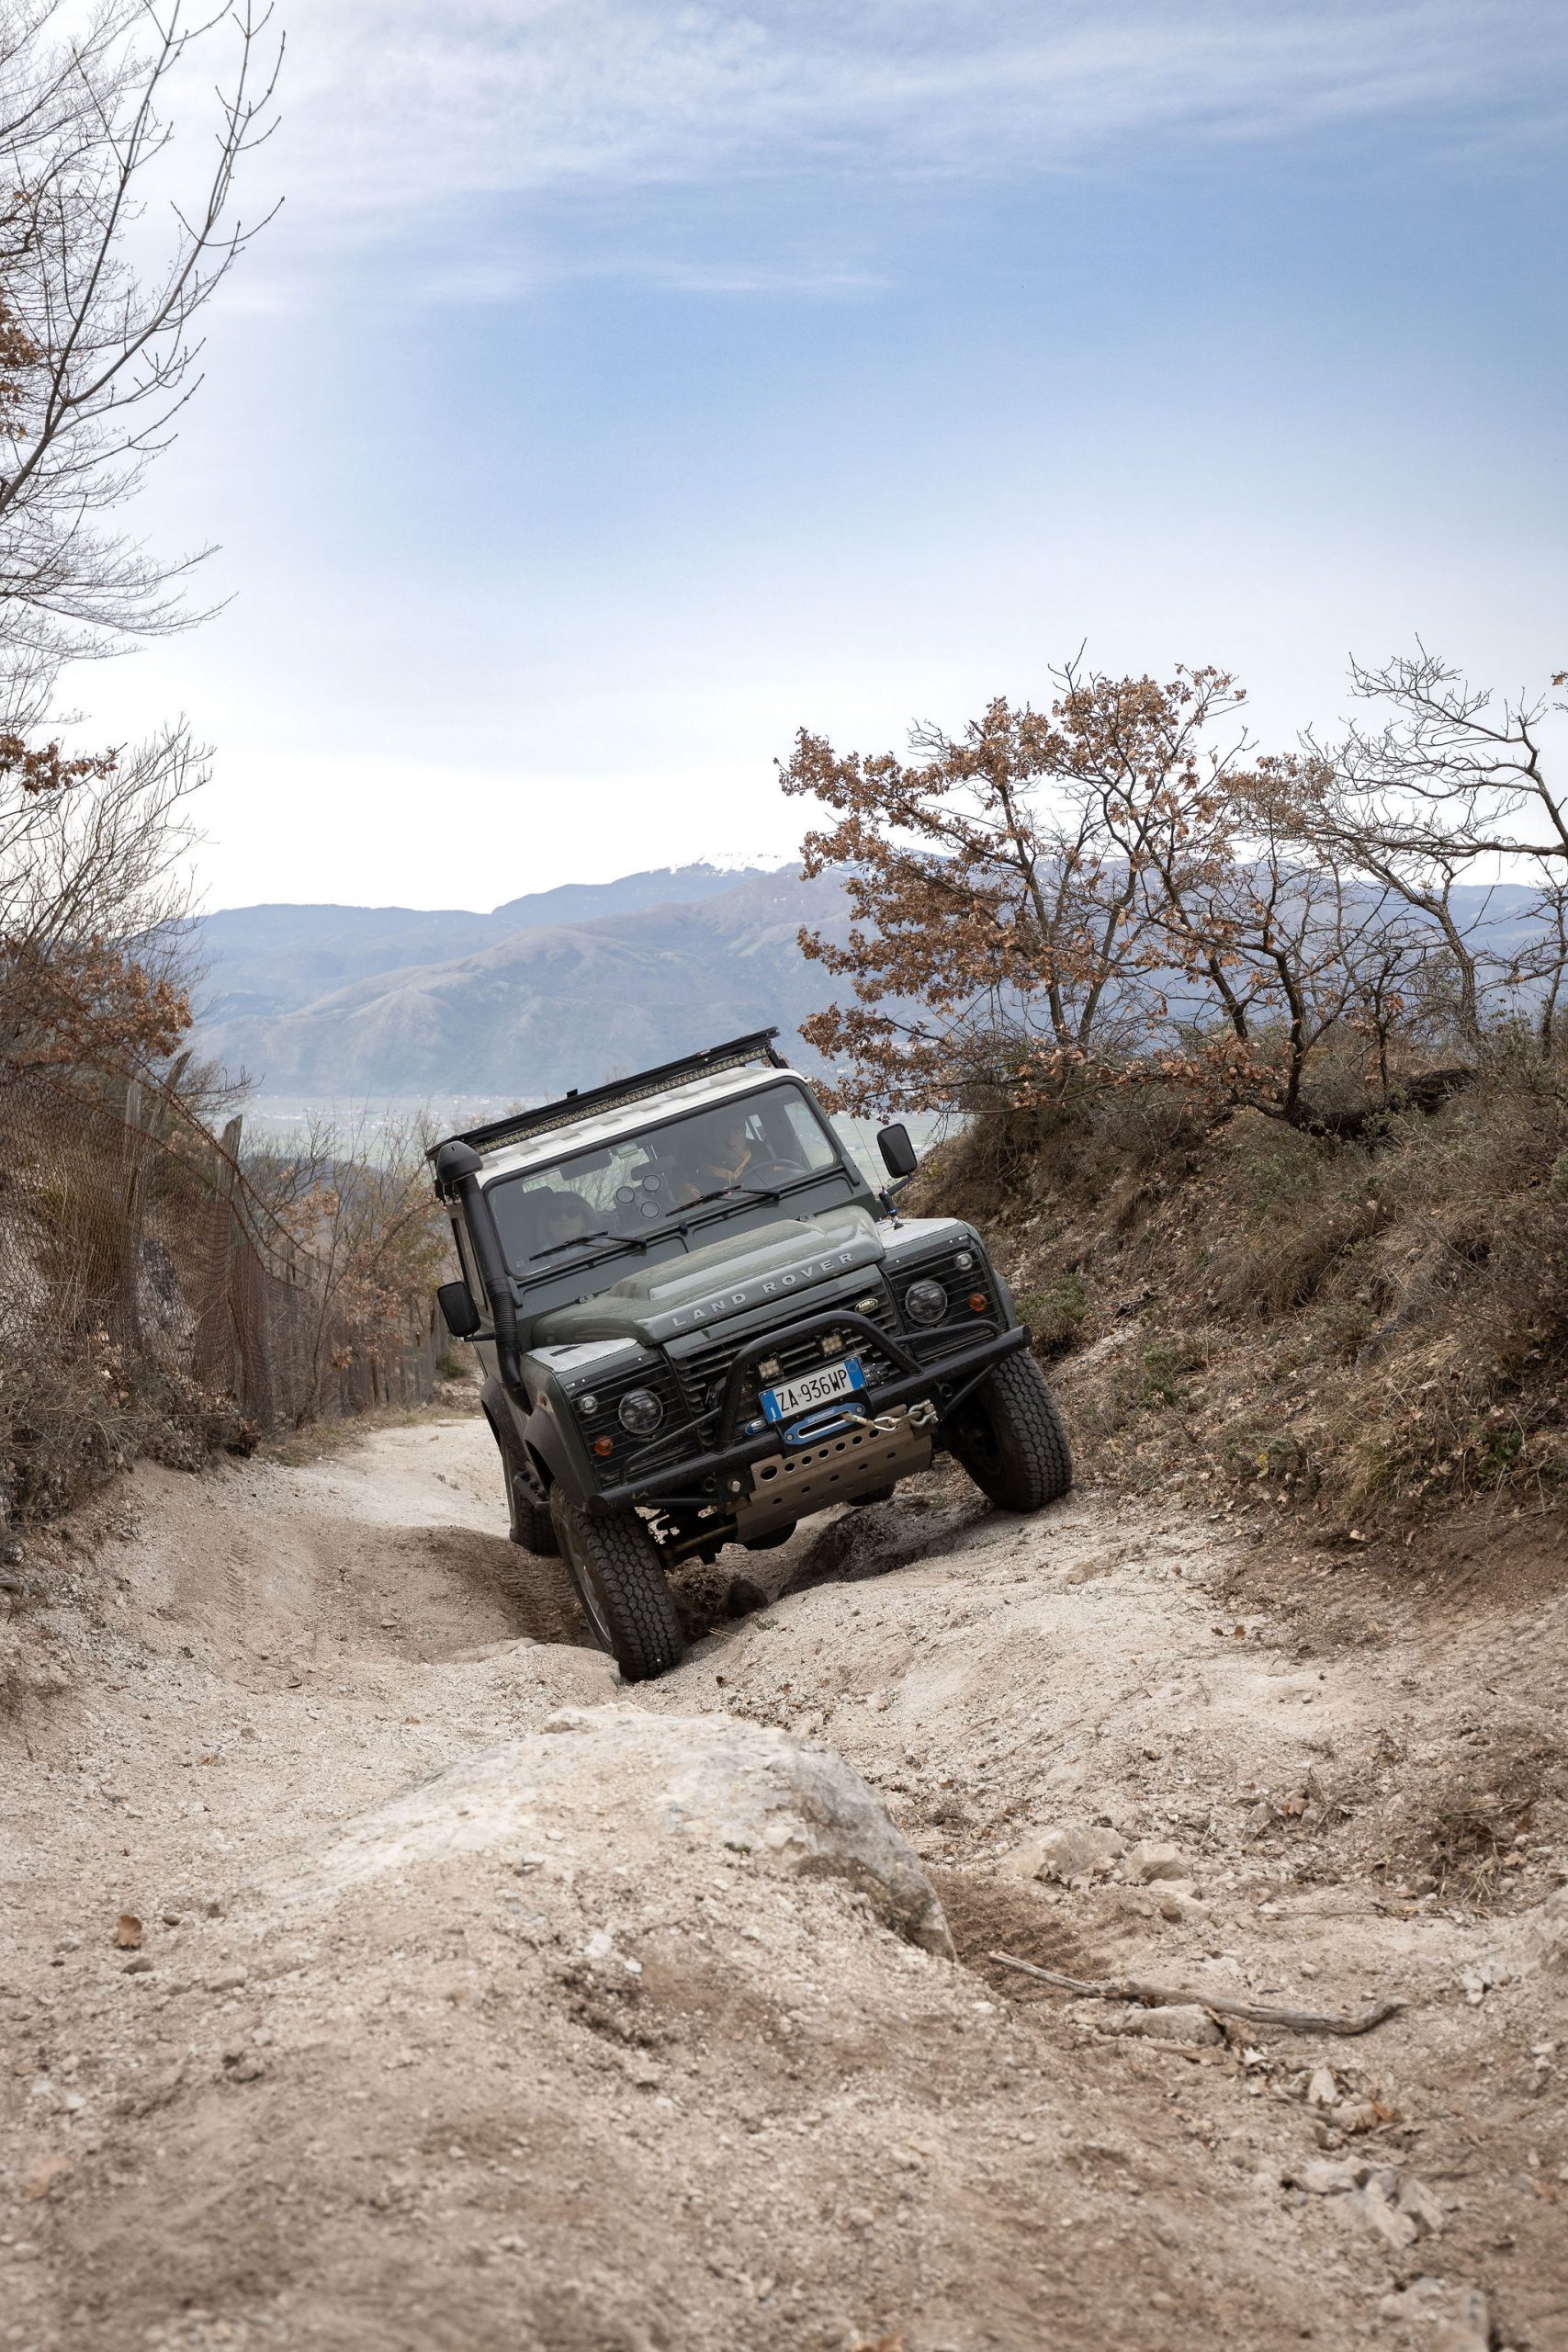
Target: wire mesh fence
[(150, 1302)]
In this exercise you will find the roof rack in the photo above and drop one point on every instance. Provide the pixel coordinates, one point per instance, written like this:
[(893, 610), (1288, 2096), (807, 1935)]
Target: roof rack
[(573, 1106)]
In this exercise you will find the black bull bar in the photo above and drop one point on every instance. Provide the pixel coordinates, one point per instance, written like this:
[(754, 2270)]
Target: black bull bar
[(965, 1367)]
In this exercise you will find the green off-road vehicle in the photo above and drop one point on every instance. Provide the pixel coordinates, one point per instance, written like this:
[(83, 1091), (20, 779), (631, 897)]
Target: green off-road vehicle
[(698, 1320)]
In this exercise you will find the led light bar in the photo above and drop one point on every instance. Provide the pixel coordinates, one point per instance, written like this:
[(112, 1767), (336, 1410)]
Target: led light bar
[(756, 1047)]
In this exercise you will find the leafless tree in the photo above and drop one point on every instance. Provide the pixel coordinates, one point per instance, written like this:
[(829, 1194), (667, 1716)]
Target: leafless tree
[(1541, 965), (93, 896), (99, 310), (1454, 785), (1283, 935), (98, 354), (101, 855), (356, 1195)]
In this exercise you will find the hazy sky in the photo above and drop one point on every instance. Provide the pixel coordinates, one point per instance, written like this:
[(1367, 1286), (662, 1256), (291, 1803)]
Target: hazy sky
[(626, 383)]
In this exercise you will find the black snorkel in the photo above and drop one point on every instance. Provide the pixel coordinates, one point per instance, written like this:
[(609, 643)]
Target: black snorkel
[(458, 1167)]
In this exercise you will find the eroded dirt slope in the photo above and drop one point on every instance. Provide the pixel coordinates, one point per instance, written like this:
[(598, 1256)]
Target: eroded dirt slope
[(430, 2117)]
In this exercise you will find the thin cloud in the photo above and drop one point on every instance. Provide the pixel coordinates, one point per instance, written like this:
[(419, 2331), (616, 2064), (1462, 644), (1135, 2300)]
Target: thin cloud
[(396, 106), (741, 277)]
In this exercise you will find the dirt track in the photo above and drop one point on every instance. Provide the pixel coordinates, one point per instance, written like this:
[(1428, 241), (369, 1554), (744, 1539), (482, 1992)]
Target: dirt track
[(808, 2134)]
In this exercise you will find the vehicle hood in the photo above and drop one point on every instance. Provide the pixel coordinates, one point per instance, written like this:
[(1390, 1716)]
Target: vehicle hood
[(776, 1260)]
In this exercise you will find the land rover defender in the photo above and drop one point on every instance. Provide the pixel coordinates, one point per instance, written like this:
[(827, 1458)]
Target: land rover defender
[(698, 1320)]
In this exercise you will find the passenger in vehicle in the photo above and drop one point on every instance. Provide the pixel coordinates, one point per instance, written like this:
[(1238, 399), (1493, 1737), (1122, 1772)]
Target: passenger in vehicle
[(562, 1216)]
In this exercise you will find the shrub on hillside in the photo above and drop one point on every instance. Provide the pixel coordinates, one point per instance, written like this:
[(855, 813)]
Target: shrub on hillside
[(1374, 1321)]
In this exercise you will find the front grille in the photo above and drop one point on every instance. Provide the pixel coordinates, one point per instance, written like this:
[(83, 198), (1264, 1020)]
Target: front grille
[(704, 1373)]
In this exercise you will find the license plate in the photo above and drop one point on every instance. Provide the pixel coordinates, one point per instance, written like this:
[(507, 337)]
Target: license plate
[(809, 1388)]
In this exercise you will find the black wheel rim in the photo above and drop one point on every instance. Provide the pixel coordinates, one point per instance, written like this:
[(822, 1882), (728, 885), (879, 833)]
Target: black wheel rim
[(979, 1439)]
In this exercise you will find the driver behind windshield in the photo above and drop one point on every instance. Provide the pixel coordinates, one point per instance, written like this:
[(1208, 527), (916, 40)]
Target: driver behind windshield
[(739, 1151), (723, 1157)]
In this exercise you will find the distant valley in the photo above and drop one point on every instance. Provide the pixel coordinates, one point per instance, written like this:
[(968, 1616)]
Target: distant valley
[(558, 989)]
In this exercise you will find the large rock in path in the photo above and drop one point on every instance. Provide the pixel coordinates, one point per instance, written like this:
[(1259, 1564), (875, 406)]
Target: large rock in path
[(621, 1778)]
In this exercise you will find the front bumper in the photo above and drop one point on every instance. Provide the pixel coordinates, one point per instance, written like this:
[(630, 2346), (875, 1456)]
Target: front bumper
[(704, 1478)]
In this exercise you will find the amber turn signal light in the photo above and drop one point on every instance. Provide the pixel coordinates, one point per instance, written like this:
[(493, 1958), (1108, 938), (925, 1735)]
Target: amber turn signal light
[(977, 1301), (603, 1447)]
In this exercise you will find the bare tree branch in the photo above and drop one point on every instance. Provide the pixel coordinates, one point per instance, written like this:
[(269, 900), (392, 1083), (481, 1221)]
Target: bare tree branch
[(98, 348)]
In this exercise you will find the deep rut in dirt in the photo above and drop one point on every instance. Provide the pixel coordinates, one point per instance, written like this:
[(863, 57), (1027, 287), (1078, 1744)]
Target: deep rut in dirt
[(1279, 1806)]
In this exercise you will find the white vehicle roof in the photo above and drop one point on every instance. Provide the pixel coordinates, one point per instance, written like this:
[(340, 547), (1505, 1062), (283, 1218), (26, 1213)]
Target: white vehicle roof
[(608, 1122)]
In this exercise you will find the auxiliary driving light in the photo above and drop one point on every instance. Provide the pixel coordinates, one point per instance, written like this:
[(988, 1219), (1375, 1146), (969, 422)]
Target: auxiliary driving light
[(925, 1301), (641, 1412)]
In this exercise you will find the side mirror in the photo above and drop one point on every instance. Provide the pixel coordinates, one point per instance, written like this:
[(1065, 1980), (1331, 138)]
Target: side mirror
[(458, 1312), (898, 1154)]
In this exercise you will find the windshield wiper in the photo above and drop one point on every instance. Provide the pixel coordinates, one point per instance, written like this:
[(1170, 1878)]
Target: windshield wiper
[(637, 1241), (733, 1192), (673, 1224), (576, 1242), (684, 1222)]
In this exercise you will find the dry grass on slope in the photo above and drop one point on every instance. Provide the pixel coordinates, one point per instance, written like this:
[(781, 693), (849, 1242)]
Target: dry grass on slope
[(1374, 1329)]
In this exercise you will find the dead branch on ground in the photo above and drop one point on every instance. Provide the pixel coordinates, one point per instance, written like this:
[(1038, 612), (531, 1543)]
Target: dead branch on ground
[(1155, 1997)]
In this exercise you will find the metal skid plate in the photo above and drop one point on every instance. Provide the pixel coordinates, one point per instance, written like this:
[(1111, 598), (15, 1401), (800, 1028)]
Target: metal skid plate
[(854, 1460)]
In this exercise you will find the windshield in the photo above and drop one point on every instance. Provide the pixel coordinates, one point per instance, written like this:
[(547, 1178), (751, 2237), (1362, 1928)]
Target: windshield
[(755, 1147)]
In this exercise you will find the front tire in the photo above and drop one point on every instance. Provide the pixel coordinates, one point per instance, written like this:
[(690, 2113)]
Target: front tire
[(619, 1576), (532, 1528), (1009, 1438)]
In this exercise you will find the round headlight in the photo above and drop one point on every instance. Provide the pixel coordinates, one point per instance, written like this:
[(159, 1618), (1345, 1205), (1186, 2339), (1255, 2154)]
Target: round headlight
[(925, 1301), (641, 1412)]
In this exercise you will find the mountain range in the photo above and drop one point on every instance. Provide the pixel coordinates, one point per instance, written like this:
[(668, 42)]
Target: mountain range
[(555, 988), (560, 988)]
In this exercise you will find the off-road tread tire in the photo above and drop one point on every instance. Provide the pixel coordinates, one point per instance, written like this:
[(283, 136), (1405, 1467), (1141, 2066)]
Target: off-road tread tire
[(645, 1637), (1029, 1463), (532, 1528)]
